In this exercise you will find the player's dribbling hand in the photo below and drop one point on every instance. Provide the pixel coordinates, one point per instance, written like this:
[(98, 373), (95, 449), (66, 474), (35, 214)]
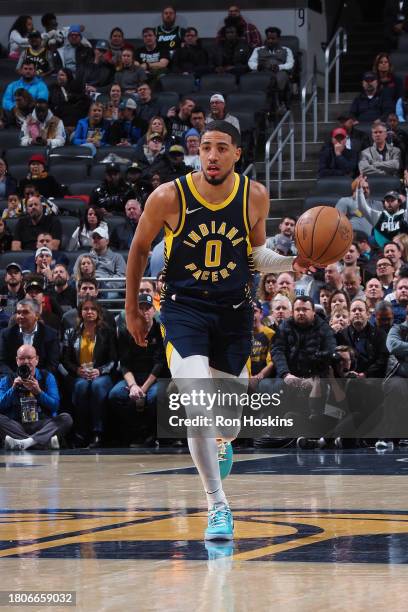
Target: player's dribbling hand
[(137, 328), (303, 265)]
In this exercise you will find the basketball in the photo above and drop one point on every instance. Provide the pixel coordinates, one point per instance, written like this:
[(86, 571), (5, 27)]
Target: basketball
[(323, 235)]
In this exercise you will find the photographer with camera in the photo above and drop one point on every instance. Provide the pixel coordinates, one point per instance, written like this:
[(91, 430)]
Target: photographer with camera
[(29, 404)]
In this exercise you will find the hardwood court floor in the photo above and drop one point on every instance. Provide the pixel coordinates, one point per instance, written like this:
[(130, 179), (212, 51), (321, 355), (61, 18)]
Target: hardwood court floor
[(314, 531)]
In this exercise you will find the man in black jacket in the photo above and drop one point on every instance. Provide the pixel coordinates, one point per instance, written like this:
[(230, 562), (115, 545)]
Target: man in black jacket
[(136, 395), (367, 341), (191, 58), (371, 104), (29, 330), (299, 343), (113, 193), (335, 159)]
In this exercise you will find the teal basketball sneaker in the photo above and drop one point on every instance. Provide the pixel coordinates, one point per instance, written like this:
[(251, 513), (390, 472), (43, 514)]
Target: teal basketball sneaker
[(220, 523), (225, 454)]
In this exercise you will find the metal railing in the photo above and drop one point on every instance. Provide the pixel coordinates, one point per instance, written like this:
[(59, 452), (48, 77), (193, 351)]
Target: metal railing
[(250, 171), (339, 41), (305, 107), (281, 144)]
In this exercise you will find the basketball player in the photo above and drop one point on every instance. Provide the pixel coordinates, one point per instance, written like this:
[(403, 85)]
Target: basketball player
[(214, 222)]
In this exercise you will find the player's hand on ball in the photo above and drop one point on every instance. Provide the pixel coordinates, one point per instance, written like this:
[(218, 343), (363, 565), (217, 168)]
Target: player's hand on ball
[(137, 328), (303, 265)]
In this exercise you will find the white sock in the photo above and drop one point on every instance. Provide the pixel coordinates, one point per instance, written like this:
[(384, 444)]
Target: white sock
[(204, 452), (27, 442)]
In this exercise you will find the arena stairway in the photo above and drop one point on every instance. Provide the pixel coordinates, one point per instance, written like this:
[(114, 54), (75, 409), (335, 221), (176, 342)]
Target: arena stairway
[(295, 191)]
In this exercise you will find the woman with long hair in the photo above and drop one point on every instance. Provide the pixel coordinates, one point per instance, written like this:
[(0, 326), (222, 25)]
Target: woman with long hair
[(18, 35), (112, 103), (157, 125), (92, 131), (266, 291), (82, 236), (386, 77), (402, 240), (89, 355), (85, 268)]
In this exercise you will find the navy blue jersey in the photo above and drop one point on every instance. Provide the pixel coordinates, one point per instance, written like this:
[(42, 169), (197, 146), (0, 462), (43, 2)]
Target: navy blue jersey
[(209, 252)]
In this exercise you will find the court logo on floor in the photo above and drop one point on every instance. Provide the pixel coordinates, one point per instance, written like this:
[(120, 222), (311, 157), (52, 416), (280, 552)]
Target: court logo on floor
[(339, 536)]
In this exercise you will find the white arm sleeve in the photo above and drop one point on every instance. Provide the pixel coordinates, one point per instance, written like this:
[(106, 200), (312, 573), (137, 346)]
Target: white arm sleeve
[(266, 260)]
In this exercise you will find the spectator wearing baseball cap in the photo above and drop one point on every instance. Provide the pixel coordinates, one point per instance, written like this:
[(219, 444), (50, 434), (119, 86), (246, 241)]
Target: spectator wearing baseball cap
[(38, 175), (11, 290), (141, 368), (38, 53), (127, 129), (97, 75), (335, 159), (113, 193), (74, 52), (387, 223), (218, 111), (371, 104), (356, 140), (151, 157)]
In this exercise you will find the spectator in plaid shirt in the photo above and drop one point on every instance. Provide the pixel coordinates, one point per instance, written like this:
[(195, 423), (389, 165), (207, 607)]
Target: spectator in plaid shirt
[(251, 32)]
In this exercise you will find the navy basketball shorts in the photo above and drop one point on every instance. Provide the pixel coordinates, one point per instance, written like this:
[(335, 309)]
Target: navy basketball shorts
[(223, 333)]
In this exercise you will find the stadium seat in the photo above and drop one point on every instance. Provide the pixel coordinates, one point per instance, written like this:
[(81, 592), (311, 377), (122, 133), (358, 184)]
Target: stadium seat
[(243, 102), (292, 42), (68, 224), (379, 185), (14, 257), (98, 171), (3, 204), (18, 171), (202, 99), (9, 138), (72, 256), (69, 172), (21, 155), (167, 99), (334, 186), (182, 83), (74, 207), (246, 121), (83, 187), (399, 60), (218, 83), (123, 152), (11, 224), (114, 221), (254, 81), (315, 200), (71, 152)]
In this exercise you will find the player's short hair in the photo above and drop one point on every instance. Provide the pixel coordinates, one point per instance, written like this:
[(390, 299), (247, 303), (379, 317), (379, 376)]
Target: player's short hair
[(226, 128)]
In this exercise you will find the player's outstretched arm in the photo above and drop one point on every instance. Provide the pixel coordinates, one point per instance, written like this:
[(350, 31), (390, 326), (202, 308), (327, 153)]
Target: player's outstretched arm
[(160, 208), (266, 260)]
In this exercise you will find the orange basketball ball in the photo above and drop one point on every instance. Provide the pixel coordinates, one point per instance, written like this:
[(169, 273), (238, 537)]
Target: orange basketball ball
[(323, 235)]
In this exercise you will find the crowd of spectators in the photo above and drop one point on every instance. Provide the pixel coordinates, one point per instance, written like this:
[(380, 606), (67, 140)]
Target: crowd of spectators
[(92, 384)]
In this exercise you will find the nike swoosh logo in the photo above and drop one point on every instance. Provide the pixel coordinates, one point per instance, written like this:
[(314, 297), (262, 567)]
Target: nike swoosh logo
[(189, 211), (235, 306)]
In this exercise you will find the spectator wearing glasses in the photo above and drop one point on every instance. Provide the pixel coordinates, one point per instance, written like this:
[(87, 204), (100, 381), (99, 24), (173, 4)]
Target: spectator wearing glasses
[(385, 274)]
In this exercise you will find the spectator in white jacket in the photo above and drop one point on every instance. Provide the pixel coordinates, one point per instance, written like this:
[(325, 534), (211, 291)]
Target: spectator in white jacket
[(42, 127)]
